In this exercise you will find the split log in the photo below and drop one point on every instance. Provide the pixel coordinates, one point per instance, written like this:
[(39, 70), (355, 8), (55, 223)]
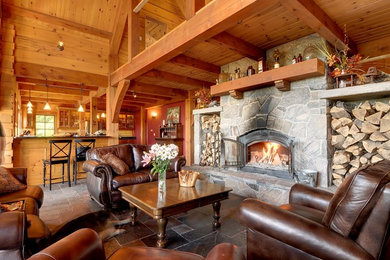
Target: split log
[(357, 152), (387, 116), (359, 136), (376, 158), (354, 129), (377, 136), (339, 166), (369, 128), (337, 176), (385, 145), (370, 146), (355, 163), (337, 141), (352, 170), (348, 142), (358, 123), (387, 134), (374, 118), (385, 125), (344, 131), (335, 124), (359, 113), (341, 157), (352, 148), (346, 121), (338, 112), (341, 171), (385, 153), (383, 107), (368, 155), (367, 106), (363, 160), (337, 182)]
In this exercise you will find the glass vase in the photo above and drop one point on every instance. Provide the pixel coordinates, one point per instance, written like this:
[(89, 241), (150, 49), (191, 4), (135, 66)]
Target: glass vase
[(162, 186)]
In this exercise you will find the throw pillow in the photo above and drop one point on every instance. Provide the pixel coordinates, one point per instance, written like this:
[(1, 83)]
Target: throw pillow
[(8, 183), (119, 166)]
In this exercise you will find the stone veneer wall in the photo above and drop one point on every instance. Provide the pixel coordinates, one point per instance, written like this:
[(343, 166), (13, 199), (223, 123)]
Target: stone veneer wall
[(298, 113)]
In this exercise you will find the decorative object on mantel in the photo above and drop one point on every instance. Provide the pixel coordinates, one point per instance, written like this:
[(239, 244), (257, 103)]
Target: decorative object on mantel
[(187, 178), (345, 80), (372, 72), (203, 97), (276, 58), (310, 52)]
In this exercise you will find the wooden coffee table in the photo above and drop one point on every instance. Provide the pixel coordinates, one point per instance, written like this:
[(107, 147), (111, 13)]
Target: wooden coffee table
[(176, 199)]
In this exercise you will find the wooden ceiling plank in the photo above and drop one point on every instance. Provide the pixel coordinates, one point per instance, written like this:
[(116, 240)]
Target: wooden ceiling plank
[(195, 63), (53, 89), (118, 99), (7, 9), (42, 82), (176, 78), (190, 33), (312, 15), (237, 45), (142, 88), (36, 71)]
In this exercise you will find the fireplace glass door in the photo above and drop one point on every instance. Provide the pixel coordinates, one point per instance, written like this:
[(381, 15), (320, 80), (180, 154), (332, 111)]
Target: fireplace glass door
[(268, 155)]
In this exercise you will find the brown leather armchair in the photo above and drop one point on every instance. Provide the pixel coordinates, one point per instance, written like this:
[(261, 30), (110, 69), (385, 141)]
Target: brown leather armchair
[(351, 224), (85, 244), (12, 235)]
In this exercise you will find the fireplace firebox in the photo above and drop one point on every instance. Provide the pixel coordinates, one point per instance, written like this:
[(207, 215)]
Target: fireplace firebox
[(263, 151)]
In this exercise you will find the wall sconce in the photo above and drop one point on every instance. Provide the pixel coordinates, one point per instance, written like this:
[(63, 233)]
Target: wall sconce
[(60, 46), (103, 115), (154, 114)]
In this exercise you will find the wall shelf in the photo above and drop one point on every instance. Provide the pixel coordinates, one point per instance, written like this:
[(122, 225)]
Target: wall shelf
[(279, 77)]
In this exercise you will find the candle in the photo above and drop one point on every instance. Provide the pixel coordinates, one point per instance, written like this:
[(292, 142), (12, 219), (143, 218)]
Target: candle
[(163, 122)]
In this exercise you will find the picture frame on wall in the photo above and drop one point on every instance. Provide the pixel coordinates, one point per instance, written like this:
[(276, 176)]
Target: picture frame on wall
[(173, 115)]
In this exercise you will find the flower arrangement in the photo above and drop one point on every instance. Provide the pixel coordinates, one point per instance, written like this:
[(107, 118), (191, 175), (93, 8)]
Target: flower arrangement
[(203, 97), (160, 157)]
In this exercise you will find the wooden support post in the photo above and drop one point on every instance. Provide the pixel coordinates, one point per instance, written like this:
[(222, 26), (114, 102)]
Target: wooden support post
[(93, 127), (82, 123), (189, 128), (120, 93), (236, 94), (143, 125)]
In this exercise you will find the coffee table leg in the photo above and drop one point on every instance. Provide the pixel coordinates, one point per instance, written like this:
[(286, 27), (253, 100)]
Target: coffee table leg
[(216, 207), (133, 214), (162, 225)]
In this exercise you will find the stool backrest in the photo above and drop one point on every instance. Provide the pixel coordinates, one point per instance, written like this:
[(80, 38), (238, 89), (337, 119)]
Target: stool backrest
[(82, 146), (60, 149)]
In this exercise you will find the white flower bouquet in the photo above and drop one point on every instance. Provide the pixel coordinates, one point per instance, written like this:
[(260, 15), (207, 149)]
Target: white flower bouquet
[(160, 156)]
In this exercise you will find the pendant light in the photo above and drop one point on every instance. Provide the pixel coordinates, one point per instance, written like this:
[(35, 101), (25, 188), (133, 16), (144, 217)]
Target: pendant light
[(81, 108), (29, 104), (47, 106), (103, 115), (29, 110)]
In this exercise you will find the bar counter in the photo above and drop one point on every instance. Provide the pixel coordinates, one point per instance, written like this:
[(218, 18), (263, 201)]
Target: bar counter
[(30, 151)]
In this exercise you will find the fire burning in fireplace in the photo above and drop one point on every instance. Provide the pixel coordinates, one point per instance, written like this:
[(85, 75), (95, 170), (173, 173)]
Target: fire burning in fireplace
[(268, 155)]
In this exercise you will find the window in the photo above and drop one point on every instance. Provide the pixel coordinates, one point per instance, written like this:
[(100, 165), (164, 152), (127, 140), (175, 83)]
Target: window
[(44, 125)]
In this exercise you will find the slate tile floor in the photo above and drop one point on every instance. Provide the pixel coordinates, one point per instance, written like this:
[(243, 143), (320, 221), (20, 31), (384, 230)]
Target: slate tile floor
[(190, 231)]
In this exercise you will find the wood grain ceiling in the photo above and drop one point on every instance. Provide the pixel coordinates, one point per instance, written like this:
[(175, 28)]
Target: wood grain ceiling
[(87, 26)]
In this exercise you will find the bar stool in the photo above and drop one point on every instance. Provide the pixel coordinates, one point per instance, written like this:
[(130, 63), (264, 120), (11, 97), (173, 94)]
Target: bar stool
[(59, 154), (81, 147)]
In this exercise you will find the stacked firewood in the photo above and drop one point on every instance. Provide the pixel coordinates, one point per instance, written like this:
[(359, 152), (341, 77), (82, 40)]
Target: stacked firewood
[(211, 144), (360, 137)]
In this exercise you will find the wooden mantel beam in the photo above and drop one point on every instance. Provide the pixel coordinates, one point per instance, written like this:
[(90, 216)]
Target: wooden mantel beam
[(314, 17), (204, 25), (9, 10), (118, 99), (238, 45)]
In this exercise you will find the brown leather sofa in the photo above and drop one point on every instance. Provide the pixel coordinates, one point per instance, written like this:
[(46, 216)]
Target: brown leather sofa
[(351, 224), (103, 182), (86, 244), (18, 230)]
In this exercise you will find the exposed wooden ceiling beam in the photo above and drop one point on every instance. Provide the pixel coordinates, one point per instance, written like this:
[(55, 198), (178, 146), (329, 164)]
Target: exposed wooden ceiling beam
[(190, 33), (314, 17), (129, 98), (51, 95), (130, 93), (42, 82), (238, 45), (36, 71), (142, 88), (20, 11), (192, 6), (51, 100), (140, 5), (176, 78), (119, 26), (118, 99), (195, 63), (52, 89)]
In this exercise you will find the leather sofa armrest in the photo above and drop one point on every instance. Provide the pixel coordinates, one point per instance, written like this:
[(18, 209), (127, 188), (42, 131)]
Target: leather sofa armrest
[(299, 232), (310, 197), (12, 230), (20, 174), (225, 251), (177, 163), (82, 244), (97, 168)]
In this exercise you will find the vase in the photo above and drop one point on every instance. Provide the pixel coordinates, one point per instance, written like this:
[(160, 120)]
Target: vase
[(162, 186)]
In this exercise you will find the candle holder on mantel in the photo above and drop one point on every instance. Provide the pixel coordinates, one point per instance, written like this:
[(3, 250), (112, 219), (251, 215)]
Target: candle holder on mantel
[(343, 80)]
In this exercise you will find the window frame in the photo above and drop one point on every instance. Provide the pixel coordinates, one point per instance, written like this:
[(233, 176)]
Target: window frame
[(45, 129)]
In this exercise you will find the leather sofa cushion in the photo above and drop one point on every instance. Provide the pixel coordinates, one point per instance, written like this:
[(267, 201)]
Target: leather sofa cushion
[(119, 166), (8, 183), (122, 151), (355, 198), (306, 212), (32, 191), (138, 152), (129, 179)]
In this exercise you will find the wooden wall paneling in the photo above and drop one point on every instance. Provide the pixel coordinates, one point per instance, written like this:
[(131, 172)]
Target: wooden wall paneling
[(93, 124), (165, 11), (82, 123), (188, 34), (143, 128), (36, 71), (310, 13)]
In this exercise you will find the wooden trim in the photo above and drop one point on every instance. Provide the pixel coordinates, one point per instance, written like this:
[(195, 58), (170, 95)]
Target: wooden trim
[(238, 45), (118, 99), (189, 33), (298, 71), (195, 63), (313, 16), (10, 10)]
